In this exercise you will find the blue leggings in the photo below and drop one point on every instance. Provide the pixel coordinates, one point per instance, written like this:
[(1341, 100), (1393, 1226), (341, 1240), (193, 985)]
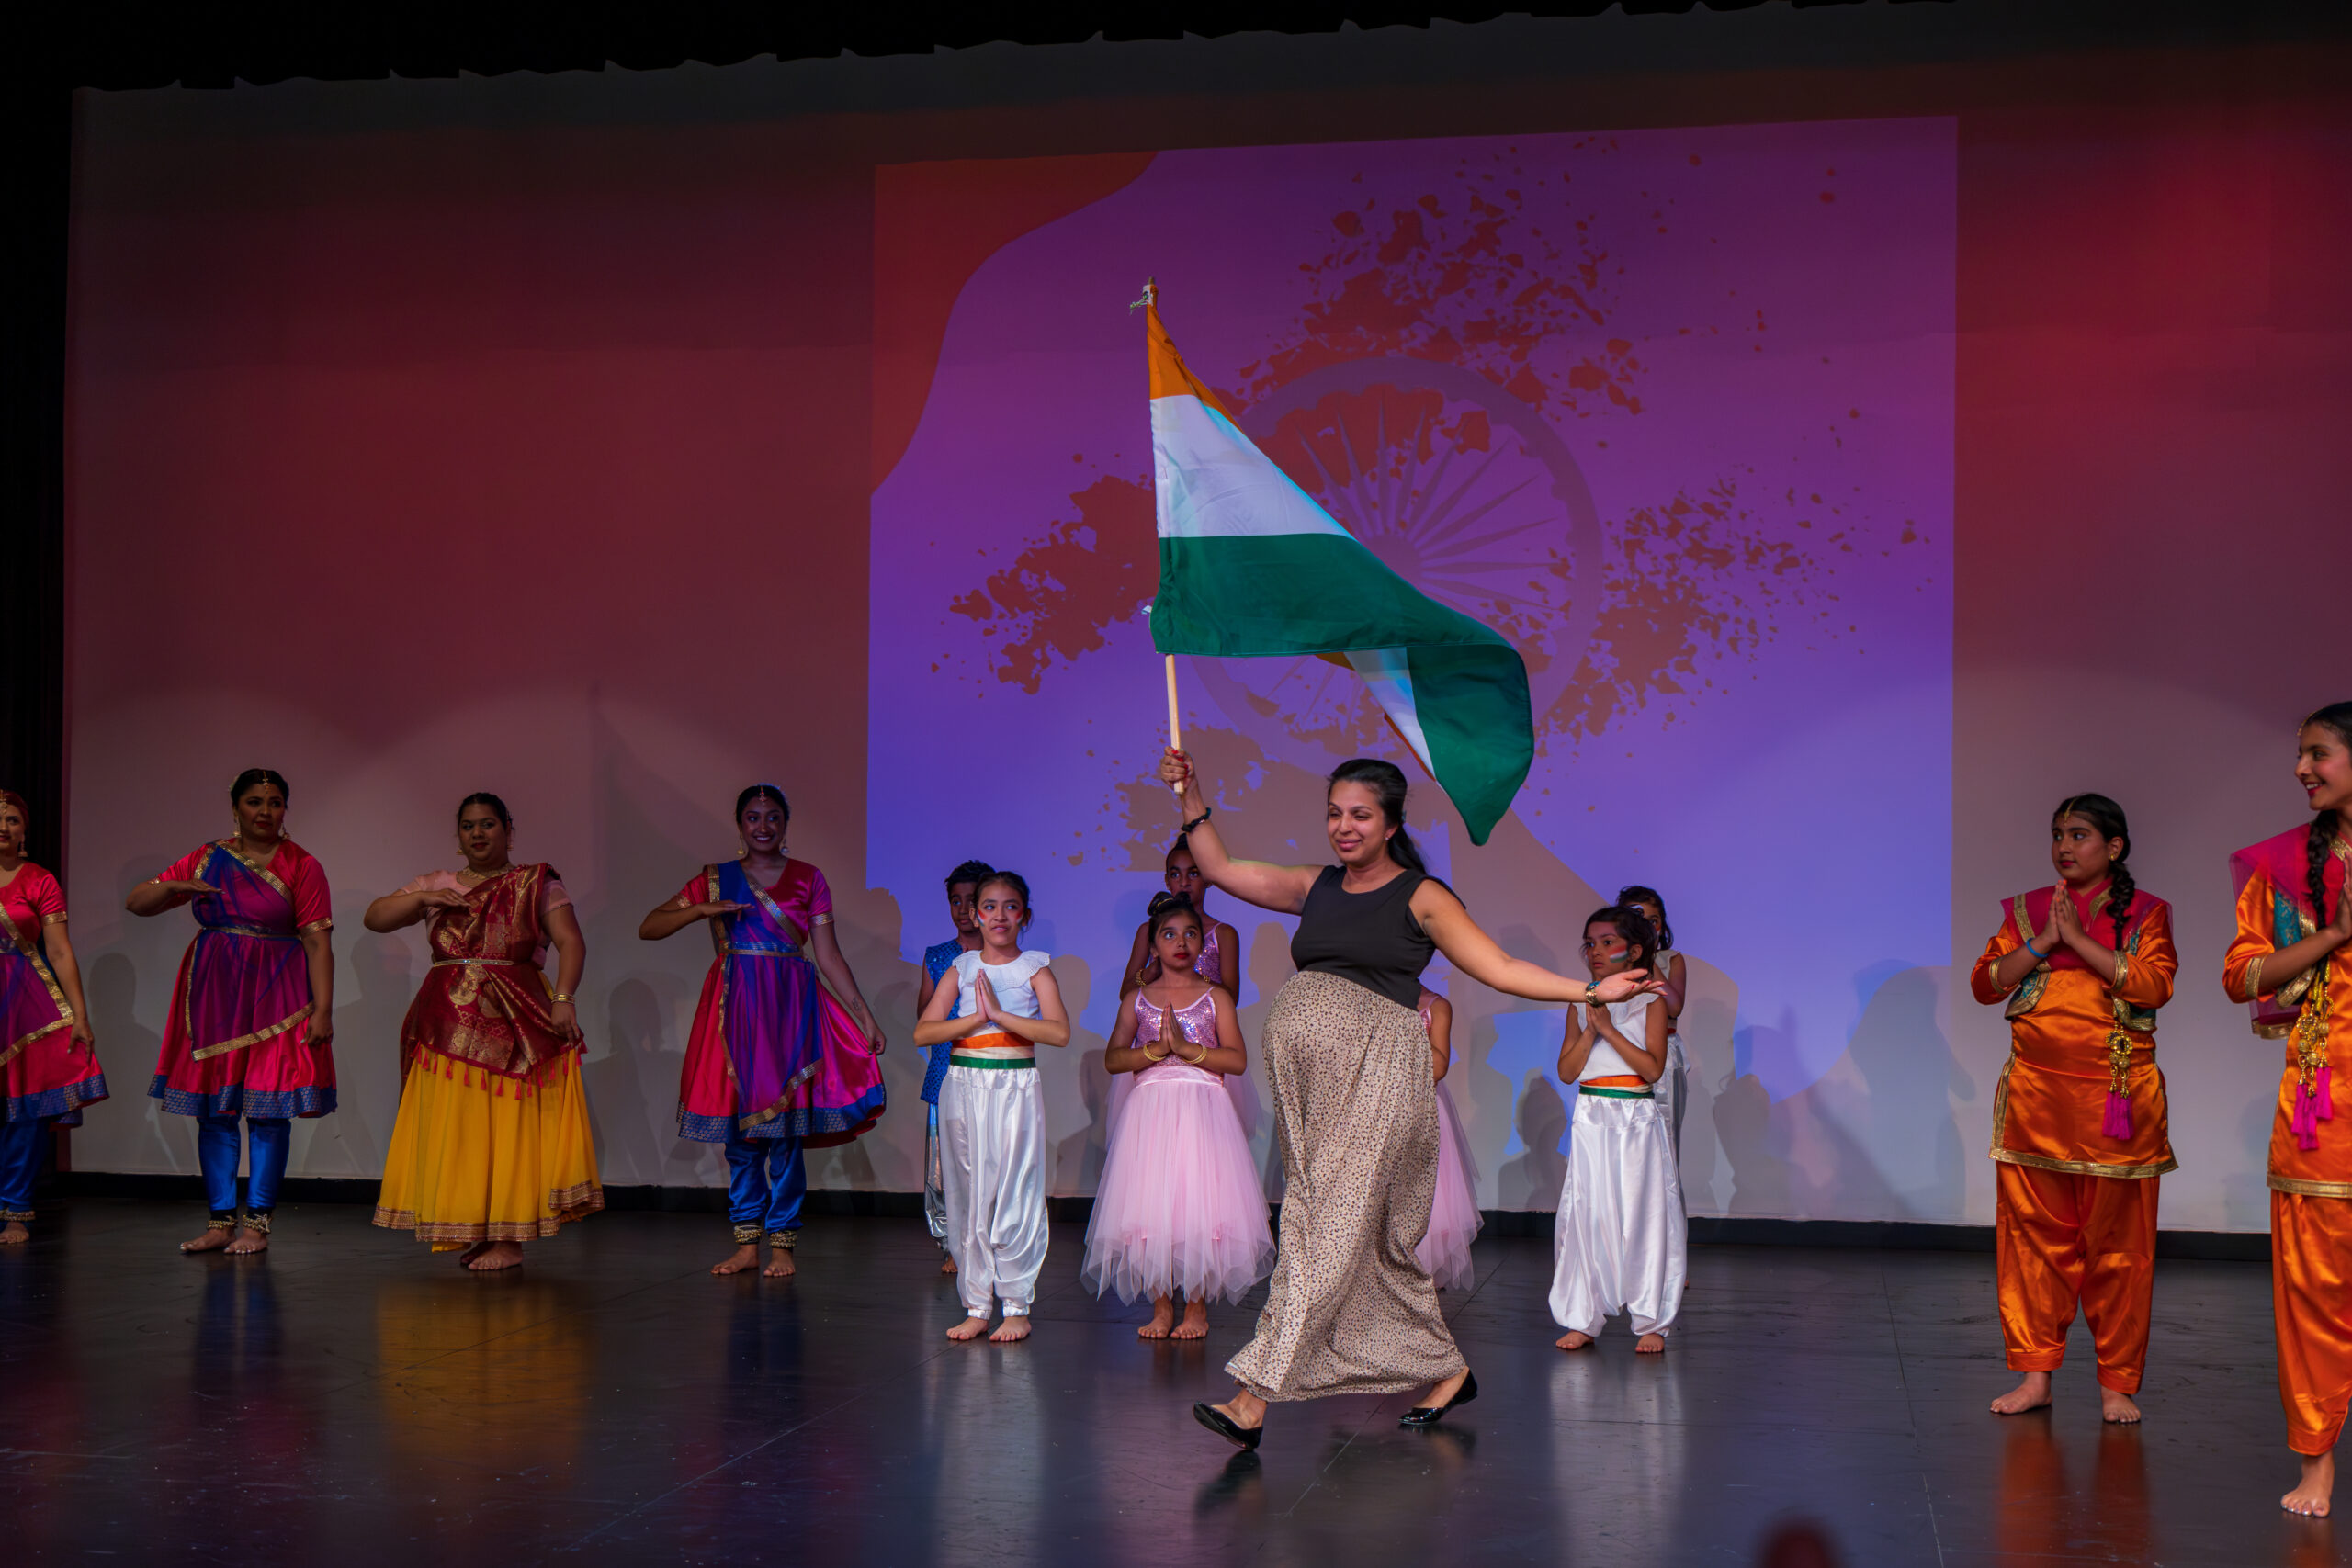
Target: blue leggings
[(217, 1152), (21, 1143), (767, 1179)]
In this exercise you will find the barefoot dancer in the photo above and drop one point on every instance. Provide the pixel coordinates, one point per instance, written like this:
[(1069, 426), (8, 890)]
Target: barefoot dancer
[(2079, 1120), (1619, 1239), (991, 1115), (2294, 918), (252, 1025), (772, 1061), (49, 1060), (963, 913), (1350, 1310), (1180, 1207), (492, 1146), (1454, 1218), (1220, 960)]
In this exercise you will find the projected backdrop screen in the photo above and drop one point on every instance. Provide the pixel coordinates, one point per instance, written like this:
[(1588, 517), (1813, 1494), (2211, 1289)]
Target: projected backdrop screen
[(1671, 408)]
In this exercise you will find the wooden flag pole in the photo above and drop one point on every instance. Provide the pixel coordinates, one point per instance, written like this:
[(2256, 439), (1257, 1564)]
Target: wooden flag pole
[(1175, 727)]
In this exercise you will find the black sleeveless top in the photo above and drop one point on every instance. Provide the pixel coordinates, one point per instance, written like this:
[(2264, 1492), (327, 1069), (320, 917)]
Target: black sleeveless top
[(1369, 938)]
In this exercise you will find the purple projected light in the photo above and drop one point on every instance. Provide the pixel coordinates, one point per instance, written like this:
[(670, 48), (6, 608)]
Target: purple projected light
[(1673, 409)]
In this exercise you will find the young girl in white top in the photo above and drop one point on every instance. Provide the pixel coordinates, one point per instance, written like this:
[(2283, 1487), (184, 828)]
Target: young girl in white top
[(1180, 1207), (1621, 1240), (1676, 975), (1454, 1218), (991, 1115)]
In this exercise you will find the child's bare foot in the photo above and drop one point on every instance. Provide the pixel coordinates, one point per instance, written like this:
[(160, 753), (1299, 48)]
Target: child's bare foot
[(1012, 1331), (214, 1238), (1163, 1316), (948, 1266), (248, 1241), (14, 1233), (744, 1256), (780, 1264), (2312, 1493), (1574, 1339), (970, 1328), (495, 1255), (2119, 1408), (1196, 1321), (2033, 1393), (1650, 1345)]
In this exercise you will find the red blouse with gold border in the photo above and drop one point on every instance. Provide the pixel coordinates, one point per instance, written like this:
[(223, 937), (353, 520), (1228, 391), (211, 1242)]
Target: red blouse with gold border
[(2074, 1039)]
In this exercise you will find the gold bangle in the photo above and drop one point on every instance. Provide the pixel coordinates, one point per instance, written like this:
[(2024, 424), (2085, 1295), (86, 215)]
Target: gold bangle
[(562, 997), (1197, 1061)]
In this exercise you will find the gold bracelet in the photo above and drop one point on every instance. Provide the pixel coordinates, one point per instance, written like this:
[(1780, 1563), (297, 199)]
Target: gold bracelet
[(562, 997), (1161, 1057), (1195, 1061)]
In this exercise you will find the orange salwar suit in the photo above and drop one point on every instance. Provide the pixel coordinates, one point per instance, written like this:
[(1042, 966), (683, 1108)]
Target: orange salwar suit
[(2079, 1133), (2311, 1147)]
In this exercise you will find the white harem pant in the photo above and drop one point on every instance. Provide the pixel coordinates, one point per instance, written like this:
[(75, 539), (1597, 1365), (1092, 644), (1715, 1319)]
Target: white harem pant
[(992, 1164), (1621, 1240)]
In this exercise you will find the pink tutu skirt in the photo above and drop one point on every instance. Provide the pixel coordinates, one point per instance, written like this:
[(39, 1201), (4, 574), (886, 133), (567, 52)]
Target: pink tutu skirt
[(1454, 1218), (1178, 1207)]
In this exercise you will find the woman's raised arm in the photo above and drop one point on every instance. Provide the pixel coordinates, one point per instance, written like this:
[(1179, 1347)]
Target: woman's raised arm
[(1281, 888)]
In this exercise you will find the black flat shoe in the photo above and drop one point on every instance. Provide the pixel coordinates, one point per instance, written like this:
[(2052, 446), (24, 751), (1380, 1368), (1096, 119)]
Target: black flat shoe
[(1430, 1415), (1223, 1425)]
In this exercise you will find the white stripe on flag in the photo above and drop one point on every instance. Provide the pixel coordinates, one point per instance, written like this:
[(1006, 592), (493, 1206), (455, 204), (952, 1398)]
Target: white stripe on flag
[(1212, 483), (1391, 683)]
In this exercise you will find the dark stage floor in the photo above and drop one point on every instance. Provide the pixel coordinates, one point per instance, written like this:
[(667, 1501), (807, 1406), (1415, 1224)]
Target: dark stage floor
[(353, 1401)]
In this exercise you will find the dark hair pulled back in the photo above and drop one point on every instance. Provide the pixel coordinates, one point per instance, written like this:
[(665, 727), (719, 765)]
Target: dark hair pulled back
[(483, 797), (1634, 926), (2338, 717), (252, 776), (1163, 905), (1020, 886), (10, 798), (1635, 893), (763, 790), (972, 871), (1386, 780), (2107, 817)]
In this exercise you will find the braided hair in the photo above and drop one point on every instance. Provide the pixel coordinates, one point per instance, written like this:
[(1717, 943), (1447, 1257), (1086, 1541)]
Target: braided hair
[(2336, 717), (2107, 817)]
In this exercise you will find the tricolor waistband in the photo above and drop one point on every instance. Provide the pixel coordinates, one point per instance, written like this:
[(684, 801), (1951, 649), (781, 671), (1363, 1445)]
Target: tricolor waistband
[(995, 1062), (1611, 1091)]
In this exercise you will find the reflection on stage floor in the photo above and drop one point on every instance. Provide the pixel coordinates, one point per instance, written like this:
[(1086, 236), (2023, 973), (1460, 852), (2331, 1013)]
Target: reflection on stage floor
[(351, 1399)]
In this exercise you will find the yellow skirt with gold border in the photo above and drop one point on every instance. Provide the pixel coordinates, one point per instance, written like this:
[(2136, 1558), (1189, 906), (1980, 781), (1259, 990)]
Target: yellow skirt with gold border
[(478, 1156)]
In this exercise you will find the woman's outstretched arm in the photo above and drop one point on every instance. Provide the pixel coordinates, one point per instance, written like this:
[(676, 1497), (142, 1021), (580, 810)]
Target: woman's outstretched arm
[(1477, 955)]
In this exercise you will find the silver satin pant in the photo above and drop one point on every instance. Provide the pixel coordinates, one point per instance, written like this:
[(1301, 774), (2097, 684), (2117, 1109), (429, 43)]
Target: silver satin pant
[(992, 1164), (934, 1192)]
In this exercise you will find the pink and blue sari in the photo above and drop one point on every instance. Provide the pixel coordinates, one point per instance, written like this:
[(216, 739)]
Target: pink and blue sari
[(772, 1054), (237, 1042)]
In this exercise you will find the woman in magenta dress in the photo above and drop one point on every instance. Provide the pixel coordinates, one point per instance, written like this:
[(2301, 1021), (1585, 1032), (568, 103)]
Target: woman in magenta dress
[(252, 1025), (48, 1062), (774, 1062)]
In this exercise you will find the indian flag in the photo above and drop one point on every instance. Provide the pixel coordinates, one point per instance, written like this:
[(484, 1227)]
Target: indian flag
[(1249, 566)]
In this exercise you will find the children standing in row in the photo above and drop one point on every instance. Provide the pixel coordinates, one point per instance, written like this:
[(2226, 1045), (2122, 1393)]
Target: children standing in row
[(1180, 1207), (1619, 1240), (991, 1113)]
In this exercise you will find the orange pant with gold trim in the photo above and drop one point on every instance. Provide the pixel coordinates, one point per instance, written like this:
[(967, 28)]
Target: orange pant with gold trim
[(2311, 1298), (2061, 1238)]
